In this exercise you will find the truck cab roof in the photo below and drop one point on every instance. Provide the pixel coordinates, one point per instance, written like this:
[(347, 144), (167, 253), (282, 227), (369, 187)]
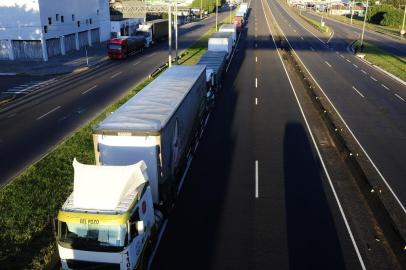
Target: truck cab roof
[(106, 189)]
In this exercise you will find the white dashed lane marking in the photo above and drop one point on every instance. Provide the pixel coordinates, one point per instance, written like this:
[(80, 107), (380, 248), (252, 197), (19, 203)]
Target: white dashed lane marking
[(359, 93)]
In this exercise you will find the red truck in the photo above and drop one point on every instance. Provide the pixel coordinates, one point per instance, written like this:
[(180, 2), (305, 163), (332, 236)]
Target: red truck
[(238, 21), (121, 48)]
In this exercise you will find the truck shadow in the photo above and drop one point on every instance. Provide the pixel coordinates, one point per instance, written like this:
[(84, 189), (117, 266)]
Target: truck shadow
[(309, 213), (195, 224)]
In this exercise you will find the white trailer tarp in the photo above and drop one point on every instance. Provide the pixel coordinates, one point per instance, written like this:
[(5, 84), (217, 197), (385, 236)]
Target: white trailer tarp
[(231, 28), (103, 187)]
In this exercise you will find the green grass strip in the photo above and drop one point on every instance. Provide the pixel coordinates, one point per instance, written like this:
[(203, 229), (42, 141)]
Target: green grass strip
[(316, 25), (29, 203), (383, 59)]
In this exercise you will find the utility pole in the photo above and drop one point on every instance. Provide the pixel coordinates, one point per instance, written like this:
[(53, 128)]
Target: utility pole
[(217, 7), (402, 32), (201, 9), (352, 10), (230, 14), (170, 34), (363, 27), (176, 31)]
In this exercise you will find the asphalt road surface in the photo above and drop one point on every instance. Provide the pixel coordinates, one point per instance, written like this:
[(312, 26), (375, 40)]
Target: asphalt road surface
[(226, 217), (372, 104), (352, 33), (31, 126)]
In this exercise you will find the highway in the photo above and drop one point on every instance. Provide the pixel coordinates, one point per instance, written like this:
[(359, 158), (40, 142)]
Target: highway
[(31, 126), (351, 33), (372, 104), (256, 196)]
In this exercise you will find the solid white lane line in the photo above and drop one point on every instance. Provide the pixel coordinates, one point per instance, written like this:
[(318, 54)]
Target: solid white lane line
[(256, 82), (384, 86), (256, 180), (352, 134), (51, 111), (363, 71), (315, 144), (359, 93), (332, 34), (372, 78), (348, 60), (355, 65), (90, 89), (256, 101), (115, 75), (327, 63), (342, 56), (399, 97), (152, 54), (256, 59), (136, 63)]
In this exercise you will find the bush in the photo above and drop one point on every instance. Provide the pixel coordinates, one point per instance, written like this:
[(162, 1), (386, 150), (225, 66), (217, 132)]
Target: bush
[(386, 15)]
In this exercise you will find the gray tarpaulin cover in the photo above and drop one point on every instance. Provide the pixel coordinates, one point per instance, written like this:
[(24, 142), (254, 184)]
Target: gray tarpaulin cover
[(152, 107)]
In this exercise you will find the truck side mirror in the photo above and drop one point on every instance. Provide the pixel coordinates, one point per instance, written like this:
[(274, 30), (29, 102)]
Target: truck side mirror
[(140, 227)]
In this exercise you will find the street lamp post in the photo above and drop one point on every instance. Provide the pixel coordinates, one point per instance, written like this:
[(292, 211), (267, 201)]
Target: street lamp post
[(170, 34), (352, 10), (363, 27), (230, 15), (176, 31), (402, 32), (217, 7), (201, 9)]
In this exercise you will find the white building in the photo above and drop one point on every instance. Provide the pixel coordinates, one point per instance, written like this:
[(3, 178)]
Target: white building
[(38, 29)]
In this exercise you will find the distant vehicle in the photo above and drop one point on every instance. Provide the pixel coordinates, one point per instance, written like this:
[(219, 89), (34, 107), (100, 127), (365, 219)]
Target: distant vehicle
[(215, 63), (121, 48), (153, 31), (231, 28), (221, 41), (238, 21)]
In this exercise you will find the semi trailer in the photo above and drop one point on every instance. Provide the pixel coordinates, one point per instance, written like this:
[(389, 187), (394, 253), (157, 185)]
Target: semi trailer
[(121, 48), (231, 28), (157, 125), (153, 31), (221, 41), (111, 219), (215, 63)]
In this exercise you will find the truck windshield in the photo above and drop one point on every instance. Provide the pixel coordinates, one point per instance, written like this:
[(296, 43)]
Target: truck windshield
[(114, 46), (92, 237)]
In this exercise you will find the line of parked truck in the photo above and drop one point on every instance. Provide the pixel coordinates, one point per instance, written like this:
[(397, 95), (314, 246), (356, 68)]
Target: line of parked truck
[(116, 210)]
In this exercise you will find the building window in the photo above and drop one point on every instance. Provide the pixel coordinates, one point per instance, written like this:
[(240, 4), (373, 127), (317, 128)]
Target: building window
[(49, 20), (97, 12), (62, 19), (57, 17), (90, 20), (45, 29), (78, 23), (73, 17), (87, 21)]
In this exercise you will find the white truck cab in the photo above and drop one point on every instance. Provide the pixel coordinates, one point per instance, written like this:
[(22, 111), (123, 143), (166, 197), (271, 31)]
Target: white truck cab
[(145, 30), (108, 222)]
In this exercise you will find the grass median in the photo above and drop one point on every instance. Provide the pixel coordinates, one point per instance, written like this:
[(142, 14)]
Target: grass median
[(29, 203), (383, 59), (316, 24)]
